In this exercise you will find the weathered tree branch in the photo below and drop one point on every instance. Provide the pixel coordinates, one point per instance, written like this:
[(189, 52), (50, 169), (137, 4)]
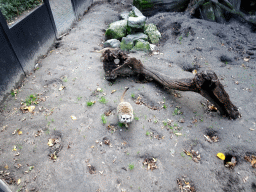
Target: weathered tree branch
[(205, 83)]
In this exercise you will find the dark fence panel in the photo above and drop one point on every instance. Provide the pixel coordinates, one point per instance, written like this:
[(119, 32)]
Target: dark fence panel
[(80, 6), (10, 68), (32, 36)]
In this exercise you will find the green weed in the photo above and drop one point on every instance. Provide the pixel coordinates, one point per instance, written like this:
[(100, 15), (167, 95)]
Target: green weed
[(131, 166), (103, 100), (103, 119), (89, 103), (136, 118), (31, 100), (133, 95)]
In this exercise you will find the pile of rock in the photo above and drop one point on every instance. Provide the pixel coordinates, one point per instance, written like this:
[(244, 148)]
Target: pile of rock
[(133, 32)]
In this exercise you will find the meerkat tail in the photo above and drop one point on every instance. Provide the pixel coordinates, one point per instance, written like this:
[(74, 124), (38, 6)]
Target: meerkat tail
[(122, 98)]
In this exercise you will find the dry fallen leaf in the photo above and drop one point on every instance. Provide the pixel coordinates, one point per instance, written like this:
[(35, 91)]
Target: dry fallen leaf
[(113, 91), (61, 88), (51, 142), (31, 108), (6, 166), (178, 134), (20, 132), (73, 117), (246, 59), (98, 89), (18, 182), (194, 71)]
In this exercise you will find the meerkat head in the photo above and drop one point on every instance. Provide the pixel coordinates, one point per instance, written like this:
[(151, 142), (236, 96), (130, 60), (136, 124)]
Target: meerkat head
[(125, 118)]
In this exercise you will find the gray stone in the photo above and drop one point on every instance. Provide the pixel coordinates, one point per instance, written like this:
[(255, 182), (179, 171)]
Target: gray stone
[(124, 15), (136, 12), (137, 36), (137, 22), (112, 43)]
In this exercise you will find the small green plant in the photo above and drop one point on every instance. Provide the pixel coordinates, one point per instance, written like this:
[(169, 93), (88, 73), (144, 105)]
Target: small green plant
[(14, 92), (79, 98), (103, 100), (31, 168), (175, 125), (147, 133), (89, 103), (165, 123), (176, 112), (136, 118), (47, 131), (31, 100), (65, 79), (182, 154), (48, 123), (128, 153), (138, 152), (19, 146), (131, 166), (155, 121), (133, 95), (180, 38), (226, 62), (52, 120), (103, 119), (164, 106)]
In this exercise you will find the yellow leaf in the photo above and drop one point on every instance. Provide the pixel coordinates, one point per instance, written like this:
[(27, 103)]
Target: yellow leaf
[(221, 156), (178, 134), (18, 182), (73, 117), (31, 108), (6, 166), (20, 132), (14, 148)]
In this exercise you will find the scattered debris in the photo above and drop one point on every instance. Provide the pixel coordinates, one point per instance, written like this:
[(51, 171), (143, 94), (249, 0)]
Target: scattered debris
[(106, 141), (38, 133), (73, 117), (211, 107), (251, 159), (212, 139), (92, 169), (150, 163), (196, 157), (111, 127), (24, 108), (185, 186), (108, 113), (232, 163), (55, 148)]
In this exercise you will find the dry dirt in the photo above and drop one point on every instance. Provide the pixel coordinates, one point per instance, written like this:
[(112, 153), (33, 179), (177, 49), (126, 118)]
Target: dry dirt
[(63, 144)]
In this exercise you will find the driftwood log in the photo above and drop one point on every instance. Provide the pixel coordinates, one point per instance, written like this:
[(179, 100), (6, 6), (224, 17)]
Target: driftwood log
[(206, 83)]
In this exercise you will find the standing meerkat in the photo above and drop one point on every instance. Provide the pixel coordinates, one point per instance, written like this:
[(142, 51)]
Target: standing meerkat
[(125, 110)]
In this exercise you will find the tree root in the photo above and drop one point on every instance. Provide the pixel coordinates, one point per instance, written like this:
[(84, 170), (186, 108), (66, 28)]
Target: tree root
[(205, 83)]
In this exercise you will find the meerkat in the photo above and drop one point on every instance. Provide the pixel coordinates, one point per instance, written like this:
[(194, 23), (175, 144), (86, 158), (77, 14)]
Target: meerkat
[(125, 110)]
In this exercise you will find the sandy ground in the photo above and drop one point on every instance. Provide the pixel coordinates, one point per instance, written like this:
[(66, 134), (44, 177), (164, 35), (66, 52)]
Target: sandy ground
[(83, 162)]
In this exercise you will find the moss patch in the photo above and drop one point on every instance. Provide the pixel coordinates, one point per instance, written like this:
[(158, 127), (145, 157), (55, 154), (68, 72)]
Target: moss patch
[(142, 46), (116, 30), (143, 4), (152, 32)]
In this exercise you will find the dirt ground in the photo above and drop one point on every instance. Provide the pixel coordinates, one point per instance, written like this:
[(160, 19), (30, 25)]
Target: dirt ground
[(63, 144)]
